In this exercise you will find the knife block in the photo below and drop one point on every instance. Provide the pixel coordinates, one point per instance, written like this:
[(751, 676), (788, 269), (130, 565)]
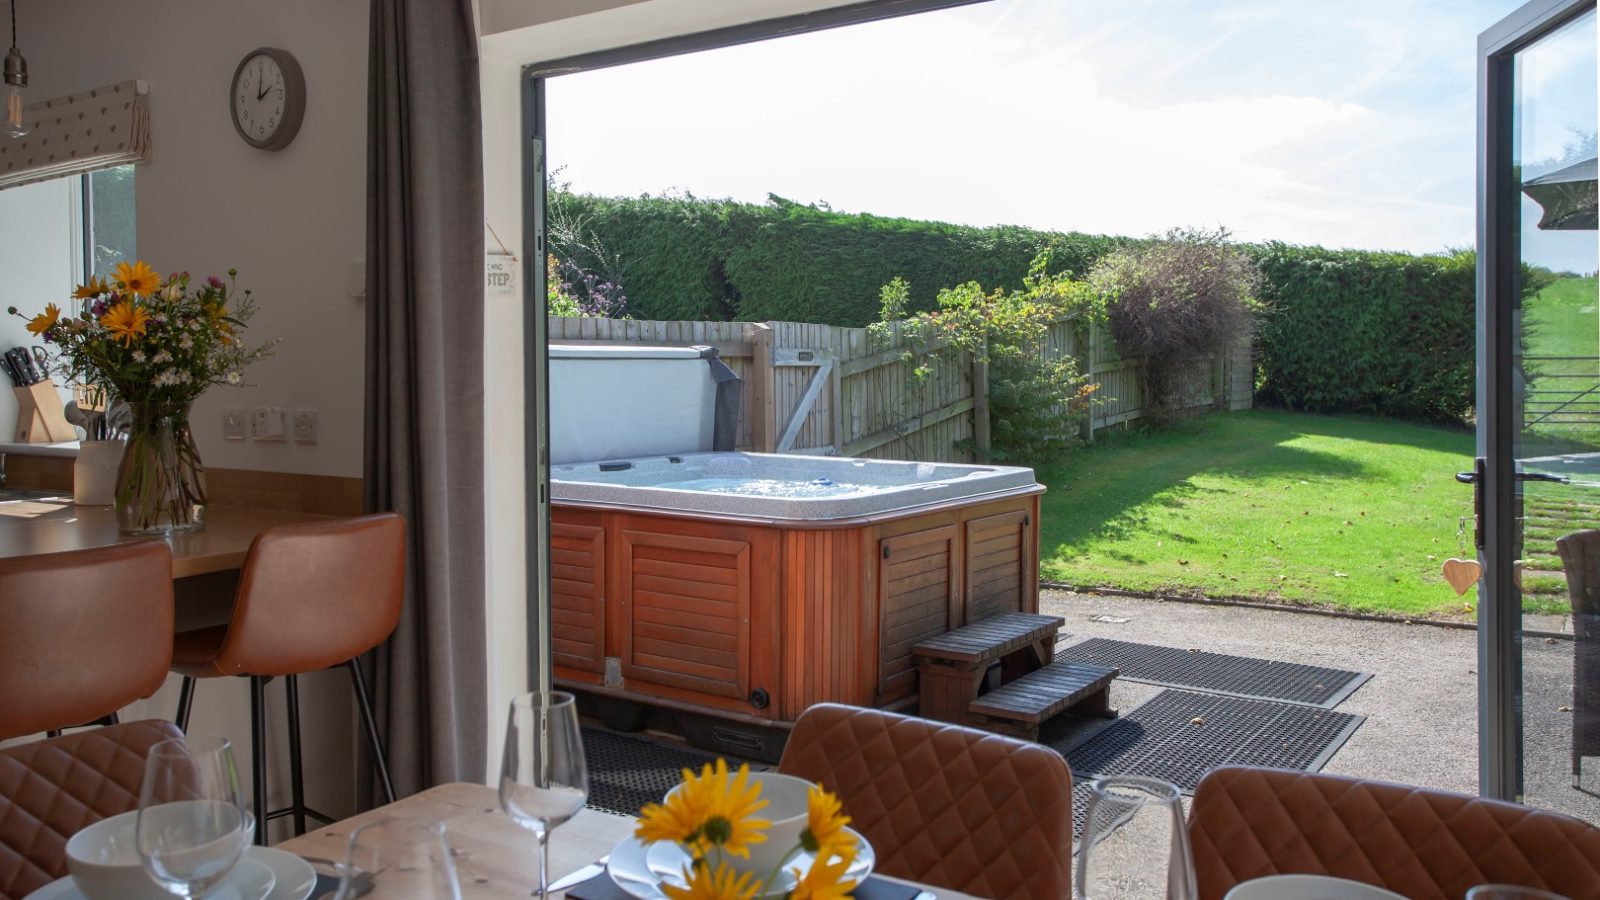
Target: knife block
[(40, 418)]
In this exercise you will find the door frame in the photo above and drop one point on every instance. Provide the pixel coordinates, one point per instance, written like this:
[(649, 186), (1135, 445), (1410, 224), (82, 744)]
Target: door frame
[(535, 327), (1495, 487)]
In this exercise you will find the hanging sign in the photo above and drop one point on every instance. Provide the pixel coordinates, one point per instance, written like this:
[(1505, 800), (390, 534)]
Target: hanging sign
[(500, 273)]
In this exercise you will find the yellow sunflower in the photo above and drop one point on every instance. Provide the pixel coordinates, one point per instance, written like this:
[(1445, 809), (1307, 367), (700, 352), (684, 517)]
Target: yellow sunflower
[(136, 277), (734, 802), (126, 322), (90, 289), (723, 883), (680, 818), (44, 321), (826, 880), (824, 833)]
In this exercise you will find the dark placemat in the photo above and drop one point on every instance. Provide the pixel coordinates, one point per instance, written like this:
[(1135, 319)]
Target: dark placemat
[(1238, 676), (601, 887)]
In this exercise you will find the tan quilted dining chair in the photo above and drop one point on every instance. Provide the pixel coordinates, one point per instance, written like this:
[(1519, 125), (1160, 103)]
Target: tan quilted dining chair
[(1424, 844), (941, 804)]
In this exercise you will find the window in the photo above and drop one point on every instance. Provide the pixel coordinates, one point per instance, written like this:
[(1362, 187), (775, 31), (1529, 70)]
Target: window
[(108, 220)]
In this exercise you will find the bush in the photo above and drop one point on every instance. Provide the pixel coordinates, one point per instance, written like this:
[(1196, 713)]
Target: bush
[(1358, 331), (1185, 296)]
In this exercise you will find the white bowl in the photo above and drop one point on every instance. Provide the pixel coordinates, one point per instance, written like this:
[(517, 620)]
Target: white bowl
[(786, 798), (103, 859), (1308, 887)]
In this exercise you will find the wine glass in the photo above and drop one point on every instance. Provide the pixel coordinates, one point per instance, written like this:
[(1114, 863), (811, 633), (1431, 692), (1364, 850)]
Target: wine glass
[(1134, 842), (543, 778), (415, 860), (192, 825)]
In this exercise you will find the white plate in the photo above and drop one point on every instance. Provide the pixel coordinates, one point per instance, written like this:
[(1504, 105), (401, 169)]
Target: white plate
[(1308, 887), (639, 868), (262, 874)]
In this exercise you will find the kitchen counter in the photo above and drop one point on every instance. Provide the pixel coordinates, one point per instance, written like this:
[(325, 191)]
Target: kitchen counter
[(66, 448)]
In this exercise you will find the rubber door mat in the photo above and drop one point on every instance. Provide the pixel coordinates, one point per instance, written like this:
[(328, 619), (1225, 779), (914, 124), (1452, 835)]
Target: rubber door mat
[(1238, 676), (625, 772), (1179, 736)]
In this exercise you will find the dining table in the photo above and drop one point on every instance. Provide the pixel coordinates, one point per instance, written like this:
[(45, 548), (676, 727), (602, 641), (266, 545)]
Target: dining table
[(495, 858)]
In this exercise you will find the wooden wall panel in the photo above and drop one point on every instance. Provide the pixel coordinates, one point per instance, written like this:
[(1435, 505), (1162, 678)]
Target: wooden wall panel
[(688, 601), (826, 638), (999, 553), (578, 592), (918, 584)]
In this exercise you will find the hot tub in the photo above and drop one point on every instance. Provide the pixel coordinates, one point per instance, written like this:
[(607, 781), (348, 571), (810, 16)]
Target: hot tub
[(751, 586)]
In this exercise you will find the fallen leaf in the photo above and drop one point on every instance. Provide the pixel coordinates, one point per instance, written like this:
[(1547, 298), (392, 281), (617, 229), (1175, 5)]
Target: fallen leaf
[(1197, 721), (1340, 575), (1183, 562), (1563, 709)]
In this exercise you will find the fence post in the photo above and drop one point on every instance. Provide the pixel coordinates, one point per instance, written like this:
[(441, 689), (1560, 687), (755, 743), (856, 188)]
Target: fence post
[(980, 405), (763, 405), (1086, 362)]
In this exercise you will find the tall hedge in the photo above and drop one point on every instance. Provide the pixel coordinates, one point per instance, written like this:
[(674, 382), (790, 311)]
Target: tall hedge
[(1346, 330)]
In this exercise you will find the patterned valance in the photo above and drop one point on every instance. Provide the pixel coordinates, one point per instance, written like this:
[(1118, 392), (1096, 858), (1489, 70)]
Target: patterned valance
[(98, 129)]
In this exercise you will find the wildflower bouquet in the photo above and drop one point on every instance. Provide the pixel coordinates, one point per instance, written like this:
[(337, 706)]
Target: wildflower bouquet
[(157, 344), (712, 816)]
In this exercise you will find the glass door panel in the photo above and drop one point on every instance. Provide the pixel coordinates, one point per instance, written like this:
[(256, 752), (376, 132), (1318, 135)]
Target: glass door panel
[(1553, 404)]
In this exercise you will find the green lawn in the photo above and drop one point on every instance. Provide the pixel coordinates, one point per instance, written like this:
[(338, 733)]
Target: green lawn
[(1562, 321), (1345, 511)]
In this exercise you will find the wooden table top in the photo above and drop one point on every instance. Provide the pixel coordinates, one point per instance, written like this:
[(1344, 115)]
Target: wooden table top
[(55, 524), (495, 858)]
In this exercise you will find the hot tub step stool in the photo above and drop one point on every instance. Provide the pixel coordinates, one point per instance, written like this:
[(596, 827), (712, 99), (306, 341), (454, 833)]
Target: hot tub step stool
[(952, 670)]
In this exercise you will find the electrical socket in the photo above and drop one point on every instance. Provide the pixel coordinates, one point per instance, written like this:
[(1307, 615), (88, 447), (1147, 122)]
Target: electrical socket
[(233, 424), (267, 424), (305, 426)]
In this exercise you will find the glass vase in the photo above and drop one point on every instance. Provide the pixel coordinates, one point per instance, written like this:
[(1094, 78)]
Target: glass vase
[(161, 485)]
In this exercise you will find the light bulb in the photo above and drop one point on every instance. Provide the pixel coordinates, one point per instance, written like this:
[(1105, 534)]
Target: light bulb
[(15, 123)]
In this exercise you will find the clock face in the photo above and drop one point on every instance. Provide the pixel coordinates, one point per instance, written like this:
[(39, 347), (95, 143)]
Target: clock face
[(268, 99)]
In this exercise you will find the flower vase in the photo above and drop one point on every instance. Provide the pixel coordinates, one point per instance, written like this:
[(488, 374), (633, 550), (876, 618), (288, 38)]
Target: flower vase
[(94, 474), (161, 485)]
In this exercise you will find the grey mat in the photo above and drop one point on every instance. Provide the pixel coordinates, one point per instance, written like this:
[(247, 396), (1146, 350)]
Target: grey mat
[(625, 772), (1238, 676), (1179, 736)]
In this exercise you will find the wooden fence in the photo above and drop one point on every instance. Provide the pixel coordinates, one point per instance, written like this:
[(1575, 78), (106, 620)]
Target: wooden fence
[(820, 389)]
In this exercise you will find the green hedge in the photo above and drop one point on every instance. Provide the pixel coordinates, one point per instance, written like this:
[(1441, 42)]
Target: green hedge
[(1347, 330)]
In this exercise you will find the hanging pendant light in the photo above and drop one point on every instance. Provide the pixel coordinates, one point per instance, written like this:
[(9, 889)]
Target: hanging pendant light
[(16, 80)]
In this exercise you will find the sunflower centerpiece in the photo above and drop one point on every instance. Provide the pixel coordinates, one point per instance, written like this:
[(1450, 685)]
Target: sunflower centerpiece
[(749, 835), (157, 344)]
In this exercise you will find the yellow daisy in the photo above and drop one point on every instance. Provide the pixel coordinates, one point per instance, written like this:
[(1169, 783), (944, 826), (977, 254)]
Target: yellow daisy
[(680, 818), (90, 289), (734, 802), (723, 883), (826, 880), (44, 321), (824, 833), (126, 322), (136, 277)]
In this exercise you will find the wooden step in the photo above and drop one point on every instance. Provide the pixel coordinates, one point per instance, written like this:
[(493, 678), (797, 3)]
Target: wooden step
[(989, 639), (1039, 695)]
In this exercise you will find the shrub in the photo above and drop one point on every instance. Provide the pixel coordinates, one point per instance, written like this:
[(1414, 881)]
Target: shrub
[(1185, 296)]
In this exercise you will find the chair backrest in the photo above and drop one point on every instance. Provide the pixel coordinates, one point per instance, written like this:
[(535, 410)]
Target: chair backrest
[(1580, 559), (82, 633), (942, 804), (1248, 823), (51, 789), (316, 595)]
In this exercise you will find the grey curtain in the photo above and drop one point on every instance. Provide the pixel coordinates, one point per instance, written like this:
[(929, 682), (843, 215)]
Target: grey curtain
[(424, 380)]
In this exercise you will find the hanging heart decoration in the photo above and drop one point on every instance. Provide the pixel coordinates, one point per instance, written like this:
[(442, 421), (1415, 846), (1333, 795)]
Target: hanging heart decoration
[(1462, 573)]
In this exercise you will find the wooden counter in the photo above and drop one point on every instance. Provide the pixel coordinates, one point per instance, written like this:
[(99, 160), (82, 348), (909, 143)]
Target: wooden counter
[(54, 525)]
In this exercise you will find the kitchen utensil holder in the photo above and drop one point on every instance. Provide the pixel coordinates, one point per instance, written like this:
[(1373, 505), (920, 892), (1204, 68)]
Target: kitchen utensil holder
[(40, 417)]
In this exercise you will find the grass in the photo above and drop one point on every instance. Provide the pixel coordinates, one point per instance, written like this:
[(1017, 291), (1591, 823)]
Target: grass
[(1562, 321), (1346, 511)]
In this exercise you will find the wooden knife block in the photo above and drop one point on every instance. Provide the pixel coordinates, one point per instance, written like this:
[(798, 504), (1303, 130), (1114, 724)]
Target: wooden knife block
[(40, 418)]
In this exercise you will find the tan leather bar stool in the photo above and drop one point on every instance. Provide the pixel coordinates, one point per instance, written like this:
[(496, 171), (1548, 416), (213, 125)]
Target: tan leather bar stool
[(310, 597)]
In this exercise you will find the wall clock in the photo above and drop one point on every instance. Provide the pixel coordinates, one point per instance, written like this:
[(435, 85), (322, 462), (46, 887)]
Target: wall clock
[(268, 98)]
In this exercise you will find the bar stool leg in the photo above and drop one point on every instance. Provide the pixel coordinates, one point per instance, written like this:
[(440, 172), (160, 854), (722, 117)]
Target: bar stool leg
[(297, 786), (185, 704), (378, 756), (258, 755)]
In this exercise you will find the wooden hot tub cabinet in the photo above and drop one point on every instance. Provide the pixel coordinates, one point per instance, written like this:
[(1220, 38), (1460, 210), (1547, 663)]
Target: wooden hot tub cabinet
[(757, 620)]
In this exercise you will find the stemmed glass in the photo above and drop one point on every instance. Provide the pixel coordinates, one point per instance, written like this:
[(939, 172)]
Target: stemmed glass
[(1134, 843), (192, 825), (418, 855), (543, 778)]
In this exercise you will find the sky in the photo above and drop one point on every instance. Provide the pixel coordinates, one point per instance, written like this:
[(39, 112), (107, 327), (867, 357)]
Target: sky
[(1346, 124)]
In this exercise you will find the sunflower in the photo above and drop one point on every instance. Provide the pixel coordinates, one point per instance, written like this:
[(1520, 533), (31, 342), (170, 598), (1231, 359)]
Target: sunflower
[(723, 883), (826, 880), (136, 277), (91, 289), (732, 825), (824, 833), (44, 321), (678, 819), (126, 322)]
